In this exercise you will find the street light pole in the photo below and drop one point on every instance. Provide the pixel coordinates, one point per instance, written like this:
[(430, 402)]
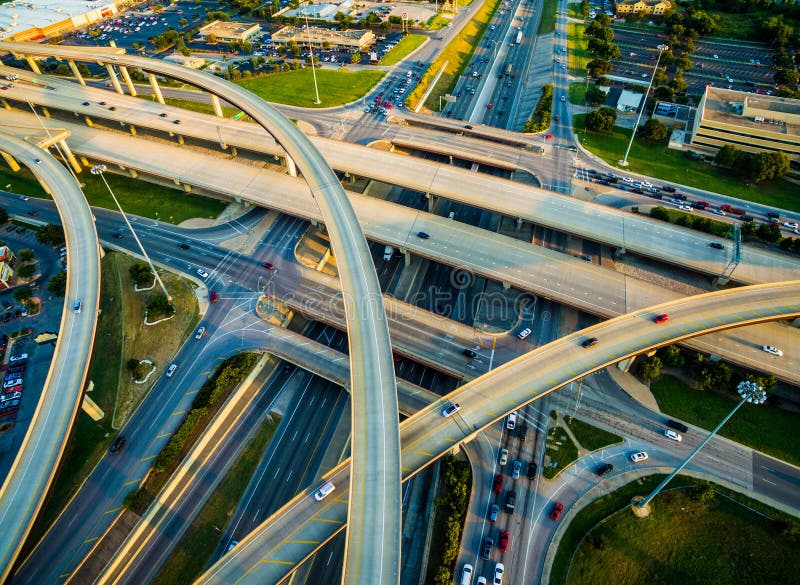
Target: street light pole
[(750, 392), (661, 49), (313, 65), (99, 170)]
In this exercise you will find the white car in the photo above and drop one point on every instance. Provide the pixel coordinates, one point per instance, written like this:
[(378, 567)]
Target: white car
[(718, 211), (790, 224), (202, 273), (639, 457), (511, 421), (499, 569), (200, 333), (563, 98), (503, 457), (773, 350), (627, 180), (451, 409), (524, 333), (670, 434), (481, 580), (685, 207)]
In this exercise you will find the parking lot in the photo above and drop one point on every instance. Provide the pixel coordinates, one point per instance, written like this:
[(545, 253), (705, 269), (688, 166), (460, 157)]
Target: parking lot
[(734, 65)]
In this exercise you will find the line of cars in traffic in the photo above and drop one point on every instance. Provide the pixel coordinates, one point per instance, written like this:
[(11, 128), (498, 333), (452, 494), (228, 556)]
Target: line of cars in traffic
[(13, 380)]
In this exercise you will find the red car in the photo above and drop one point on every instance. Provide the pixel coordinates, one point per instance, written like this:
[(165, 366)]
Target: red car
[(498, 483), (212, 296), (502, 544), (489, 106), (558, 118), (555, 514), (661, 318), (549, 137), (268, 265)]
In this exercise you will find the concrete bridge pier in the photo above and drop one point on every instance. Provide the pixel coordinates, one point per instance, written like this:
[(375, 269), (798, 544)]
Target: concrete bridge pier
[(75, 72), (73, 162), (128, 81), (114, 79), (156, 89)]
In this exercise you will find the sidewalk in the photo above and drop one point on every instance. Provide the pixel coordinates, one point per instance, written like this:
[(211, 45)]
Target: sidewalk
[(633, 387)]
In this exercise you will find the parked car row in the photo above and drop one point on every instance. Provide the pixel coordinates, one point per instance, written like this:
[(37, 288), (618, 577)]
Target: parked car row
[(13, 380)]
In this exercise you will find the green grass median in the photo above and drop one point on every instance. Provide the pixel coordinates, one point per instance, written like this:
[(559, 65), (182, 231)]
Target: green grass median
[(656, 160), (577, 46), (296, 88), (589, 436), (548, 22), (401, 50)]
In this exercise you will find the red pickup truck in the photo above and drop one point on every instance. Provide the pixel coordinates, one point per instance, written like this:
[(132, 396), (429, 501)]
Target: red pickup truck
[(732, 210)]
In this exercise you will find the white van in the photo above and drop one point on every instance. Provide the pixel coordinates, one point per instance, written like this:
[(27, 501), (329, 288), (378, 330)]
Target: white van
[(511, 421), (171, 370), (18, 358), (324, 491)]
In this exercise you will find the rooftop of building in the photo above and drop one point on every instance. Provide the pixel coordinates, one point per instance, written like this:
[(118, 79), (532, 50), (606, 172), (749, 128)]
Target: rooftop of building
[(228, 27), (18, 15), (290, 31), (727, 106)]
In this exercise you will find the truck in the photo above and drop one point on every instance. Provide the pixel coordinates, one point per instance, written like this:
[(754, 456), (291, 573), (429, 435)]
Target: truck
[(373, 58), (732, 210), (511, 500), (509, 67), (519, 37), (387, 253)]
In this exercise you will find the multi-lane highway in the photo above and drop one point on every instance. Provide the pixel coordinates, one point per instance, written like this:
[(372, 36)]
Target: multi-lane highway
[(300, 526), (373, 550), (33, 469), (563, 278)]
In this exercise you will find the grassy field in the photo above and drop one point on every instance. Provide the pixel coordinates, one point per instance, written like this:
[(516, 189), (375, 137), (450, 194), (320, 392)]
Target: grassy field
[(456, 56), (439, 21), (576, 93), (401, 50), (738, 26), (296, 88), (193, 552), (577, 44), (672, 165), (561, 451), (766, 427), (590, 437), (718, 228), (202, 107), (717, 543), (136, 197), (574, 10), (548, 22)]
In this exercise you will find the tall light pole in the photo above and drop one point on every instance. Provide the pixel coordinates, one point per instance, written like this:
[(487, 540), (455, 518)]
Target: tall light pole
[(99, 170), (313, 65), (661, 49), (750, 392)]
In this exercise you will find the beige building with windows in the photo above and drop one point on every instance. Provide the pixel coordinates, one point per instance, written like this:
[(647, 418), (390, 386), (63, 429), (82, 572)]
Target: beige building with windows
[(753, 122), (360, 40), (654, 7), (227, 32)]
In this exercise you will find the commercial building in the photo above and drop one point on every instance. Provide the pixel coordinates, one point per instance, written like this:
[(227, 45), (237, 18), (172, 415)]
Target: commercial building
[(360, 40), (7, 260), (228, 32), (28, 21), (753, 122), (190, 61), (651, 7)]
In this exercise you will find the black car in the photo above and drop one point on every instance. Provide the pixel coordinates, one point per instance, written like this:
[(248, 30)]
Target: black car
[(522, 432), (183, 246), (113, 108), (677, 426), (717, 246), (468, 126), (102, 103), (176, 122), (423, 235), (774, 215), (163, 115), (486, 549), (589, 342), (469, 353), (85, 103), (118, 236), (532, 470), (603, 469), (668, 189), (116, 445), (511, 502)]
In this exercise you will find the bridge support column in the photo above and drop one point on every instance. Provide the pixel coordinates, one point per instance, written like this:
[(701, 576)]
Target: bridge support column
[(322, 261), (431, 202), (6, 105), (114, 79), (796, 323), (132, 128), (32, 64), (519, 223), (156, 88), (89, 122), (10, 161), (406, 256), (234, 152), (367, 189), (178, 137), (128, 81), (451, 158), (506, 285), (290, 166), (721, 281), (620, 252), (46, 112), (187, 188), (75, 72), (217, 105), (133, 173), (626, 364), (73, 162)]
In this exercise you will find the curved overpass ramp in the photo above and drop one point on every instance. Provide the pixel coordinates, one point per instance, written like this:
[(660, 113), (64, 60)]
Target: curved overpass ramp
[(300, 527), (373, 542), (23, 492)]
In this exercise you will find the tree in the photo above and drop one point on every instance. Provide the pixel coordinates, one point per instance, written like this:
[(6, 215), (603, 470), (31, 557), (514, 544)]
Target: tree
[(58, 284), (764, 166), (3, 215), (601, 120), (672, 356), (159, 307), (653, 131), (659, 212), (50, 234), (595, 96), (23, 295), (585, 9), (141, 274), (211, 39), (678, 83), (26, 255), (598, 67), (26, 270), (650, 368), (727, 155), (665, 93), (768, 233), (786, 77)]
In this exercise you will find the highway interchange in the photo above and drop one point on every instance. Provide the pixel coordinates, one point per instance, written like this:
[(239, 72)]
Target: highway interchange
[(232, 270)]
